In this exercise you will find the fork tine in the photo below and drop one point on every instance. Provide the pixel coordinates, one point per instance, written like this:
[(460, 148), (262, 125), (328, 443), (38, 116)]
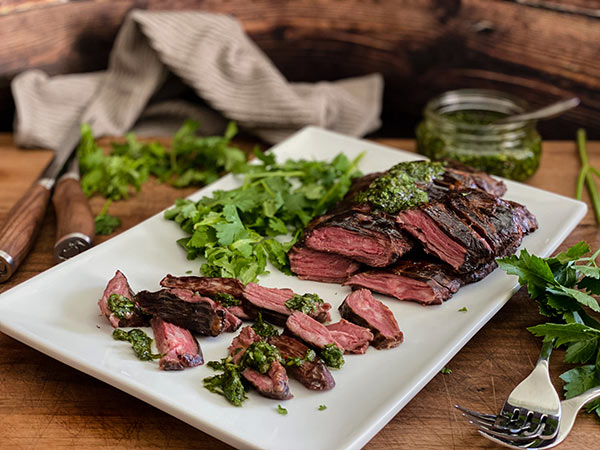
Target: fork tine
[(509, 435), (478, 422), (508, 443), (476, 414)]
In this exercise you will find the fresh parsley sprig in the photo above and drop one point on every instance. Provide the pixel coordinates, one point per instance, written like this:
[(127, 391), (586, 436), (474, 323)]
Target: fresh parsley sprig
[(564, 287), (235, 231)]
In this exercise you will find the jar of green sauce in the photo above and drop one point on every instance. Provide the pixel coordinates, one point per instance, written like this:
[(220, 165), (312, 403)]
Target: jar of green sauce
[(459, 125)]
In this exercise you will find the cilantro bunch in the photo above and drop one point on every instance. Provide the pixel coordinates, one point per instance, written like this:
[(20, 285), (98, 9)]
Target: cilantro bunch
[(564, 287), (191, 160), (235, 231)]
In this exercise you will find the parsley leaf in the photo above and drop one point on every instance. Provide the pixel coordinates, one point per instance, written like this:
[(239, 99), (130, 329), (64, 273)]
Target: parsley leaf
[(446, 371), (281, 410)]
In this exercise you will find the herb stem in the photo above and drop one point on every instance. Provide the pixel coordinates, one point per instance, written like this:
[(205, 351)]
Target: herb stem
[(277, 173), (591, 185)]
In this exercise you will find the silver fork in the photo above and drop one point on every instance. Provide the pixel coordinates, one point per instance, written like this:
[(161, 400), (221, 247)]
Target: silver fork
[(531, 411), (569, 407)]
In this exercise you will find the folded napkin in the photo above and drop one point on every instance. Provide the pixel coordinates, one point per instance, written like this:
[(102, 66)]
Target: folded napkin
[(160, 55)]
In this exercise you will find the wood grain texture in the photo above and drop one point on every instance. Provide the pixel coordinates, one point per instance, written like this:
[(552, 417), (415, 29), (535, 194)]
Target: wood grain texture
[(73, 212), (21, 227), (541, 50), (46, 404)]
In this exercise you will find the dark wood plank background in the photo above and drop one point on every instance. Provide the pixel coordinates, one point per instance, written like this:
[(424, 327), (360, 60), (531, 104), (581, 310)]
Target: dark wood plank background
[(539, 49)]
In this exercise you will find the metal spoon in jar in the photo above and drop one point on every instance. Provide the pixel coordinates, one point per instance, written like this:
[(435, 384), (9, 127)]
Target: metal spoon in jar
[(546, 112)]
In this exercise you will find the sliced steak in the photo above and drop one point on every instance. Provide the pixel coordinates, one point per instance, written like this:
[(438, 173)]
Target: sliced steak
[(479, 273), (118, 285), (312, 265), (353, 338), (271, 303), (425, 282), (469, 177), (309, 330), (274, 383), (314, 374), (361, 308), (238, 311), (208, 286), (444, 235), (186, 309), (360, 234), (179, 347)]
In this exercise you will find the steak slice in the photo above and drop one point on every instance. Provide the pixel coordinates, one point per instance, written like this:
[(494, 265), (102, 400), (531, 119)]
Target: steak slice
[(207, 286), (465, 176), (444, 235), (185, 309), (361, 308), (179, 347), (273, 384), (425, 282), (309, 330), (479, 273), (119, 285), (312, 265), (353, 338), (360, 234), (314, 374), (271, 303)]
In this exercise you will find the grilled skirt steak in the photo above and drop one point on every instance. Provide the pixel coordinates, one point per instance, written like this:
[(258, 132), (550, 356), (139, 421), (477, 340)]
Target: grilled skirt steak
[(360, 234), (425, 282), (362, 309), (353, 338), (312, 265), (273, 384), (270, 302), (208, 286), (179, 347), (314, 374), (120, 286), (310, 331), (185, 309)]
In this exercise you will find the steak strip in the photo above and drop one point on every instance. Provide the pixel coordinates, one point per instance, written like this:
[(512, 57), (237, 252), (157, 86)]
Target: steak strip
[(273, 384), (120, 286), (353, 338), (179, 347), (185, 309), (313, 265), (270, 302), (314, 375), (362, 309)]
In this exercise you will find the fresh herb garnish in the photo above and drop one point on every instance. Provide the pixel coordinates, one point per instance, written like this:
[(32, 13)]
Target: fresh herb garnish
[(228, 384), (188, 271), (585, 174), (399, 188), (322, 407), (235, 230), (281, 410), (463, 309), (226, 300), (446, 371), (309, 356), (259, 356), (120, 306), (262, 328), (306, 303), (332, 356), (563, 287), (105, 223), (140, 342)]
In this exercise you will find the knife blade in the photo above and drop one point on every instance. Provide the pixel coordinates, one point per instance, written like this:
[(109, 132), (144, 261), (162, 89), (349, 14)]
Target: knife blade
[(26, 216)]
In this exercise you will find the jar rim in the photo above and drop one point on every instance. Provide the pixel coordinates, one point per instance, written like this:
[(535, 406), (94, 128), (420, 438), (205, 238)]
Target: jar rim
[(476, 100)]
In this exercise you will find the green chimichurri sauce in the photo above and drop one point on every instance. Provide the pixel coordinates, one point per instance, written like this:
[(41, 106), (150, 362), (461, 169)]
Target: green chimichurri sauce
[(471, 138), (398, 188)]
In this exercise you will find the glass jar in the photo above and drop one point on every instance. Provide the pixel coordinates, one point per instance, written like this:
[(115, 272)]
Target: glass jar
[(458, 125)]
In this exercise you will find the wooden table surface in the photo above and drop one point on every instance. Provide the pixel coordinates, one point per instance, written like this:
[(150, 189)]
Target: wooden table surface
[(46, 404)]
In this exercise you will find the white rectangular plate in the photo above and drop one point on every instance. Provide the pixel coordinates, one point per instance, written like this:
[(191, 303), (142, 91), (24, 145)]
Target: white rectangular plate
[(56, 313)]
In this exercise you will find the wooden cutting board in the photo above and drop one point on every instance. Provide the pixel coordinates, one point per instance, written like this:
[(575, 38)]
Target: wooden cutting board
[(46, 404)]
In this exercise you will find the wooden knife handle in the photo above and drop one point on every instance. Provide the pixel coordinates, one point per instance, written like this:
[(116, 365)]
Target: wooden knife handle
[(75, 227), (19, 232)]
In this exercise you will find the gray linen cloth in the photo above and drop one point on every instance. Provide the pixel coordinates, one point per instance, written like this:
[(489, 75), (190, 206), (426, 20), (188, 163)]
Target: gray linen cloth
[(158, 54)]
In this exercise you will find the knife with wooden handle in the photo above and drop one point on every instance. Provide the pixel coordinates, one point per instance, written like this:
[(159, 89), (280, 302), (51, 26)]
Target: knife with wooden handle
[(75, 226), (25, 218)]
